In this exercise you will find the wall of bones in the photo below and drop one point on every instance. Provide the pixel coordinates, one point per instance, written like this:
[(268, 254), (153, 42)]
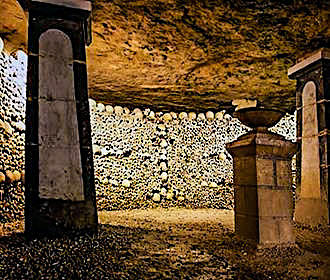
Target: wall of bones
[(12, 127), (141, 158)]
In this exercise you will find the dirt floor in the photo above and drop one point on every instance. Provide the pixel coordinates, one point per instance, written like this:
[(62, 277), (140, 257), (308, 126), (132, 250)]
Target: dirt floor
[(162, 244)]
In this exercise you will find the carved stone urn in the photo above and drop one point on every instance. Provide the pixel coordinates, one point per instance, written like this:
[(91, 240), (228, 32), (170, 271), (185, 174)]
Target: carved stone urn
[(260, 119)]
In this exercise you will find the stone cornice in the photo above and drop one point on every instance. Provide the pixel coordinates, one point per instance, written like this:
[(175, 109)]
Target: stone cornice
[(320, 54), (74, 4)]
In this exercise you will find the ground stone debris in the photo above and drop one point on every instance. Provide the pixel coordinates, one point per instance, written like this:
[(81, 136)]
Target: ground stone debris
[(163, 244)]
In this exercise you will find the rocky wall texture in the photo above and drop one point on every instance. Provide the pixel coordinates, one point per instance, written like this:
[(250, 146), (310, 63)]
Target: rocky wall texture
[(142, 159), (192, 55)]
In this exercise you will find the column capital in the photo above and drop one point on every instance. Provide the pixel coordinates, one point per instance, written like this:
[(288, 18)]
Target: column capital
[(68, 10), (262, 144), (308, 62)]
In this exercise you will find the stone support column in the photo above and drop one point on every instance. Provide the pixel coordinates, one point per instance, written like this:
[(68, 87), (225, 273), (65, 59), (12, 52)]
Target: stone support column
[(59, 188), (313, 124), (262, 186)]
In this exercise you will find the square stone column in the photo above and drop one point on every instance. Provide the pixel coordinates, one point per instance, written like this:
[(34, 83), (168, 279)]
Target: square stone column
[(59, 188), (262, 186), (313, 123)]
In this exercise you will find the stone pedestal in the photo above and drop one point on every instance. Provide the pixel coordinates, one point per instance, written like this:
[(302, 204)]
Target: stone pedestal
[(313, 137), (262, 185), (59, 186)]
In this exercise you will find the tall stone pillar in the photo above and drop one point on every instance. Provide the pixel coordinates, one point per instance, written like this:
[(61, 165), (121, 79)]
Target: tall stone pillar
[(262, 182), (313, 124), (59, 188)]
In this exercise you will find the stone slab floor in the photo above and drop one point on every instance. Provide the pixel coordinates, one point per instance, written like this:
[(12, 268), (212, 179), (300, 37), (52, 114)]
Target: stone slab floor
[(162, 244)]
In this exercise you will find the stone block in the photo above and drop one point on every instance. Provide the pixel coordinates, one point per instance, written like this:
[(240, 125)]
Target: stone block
[(247, 226), (283, 173), (309, 94), (246, 200), (58, 124), (56, 80), (286, 233), (268, 231), (310, 168), (275, 231), (244, 171), (60, 173), (310, 125), (274, 203), (265, 172)]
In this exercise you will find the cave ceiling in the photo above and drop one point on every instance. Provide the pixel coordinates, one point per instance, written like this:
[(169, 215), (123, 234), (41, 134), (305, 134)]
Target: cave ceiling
[(192, 55)]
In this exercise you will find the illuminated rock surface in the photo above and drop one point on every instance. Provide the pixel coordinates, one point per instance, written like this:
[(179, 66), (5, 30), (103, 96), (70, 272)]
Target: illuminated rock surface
[(198, 56)]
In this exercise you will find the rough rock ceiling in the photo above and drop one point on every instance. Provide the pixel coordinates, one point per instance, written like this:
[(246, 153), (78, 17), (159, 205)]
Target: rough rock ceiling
[(195, 55)]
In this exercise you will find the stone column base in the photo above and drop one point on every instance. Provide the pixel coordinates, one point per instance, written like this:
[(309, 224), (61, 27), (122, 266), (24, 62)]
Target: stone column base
[(54, 217)]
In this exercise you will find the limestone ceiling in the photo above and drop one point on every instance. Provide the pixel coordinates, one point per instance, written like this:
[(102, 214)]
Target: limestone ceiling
[(193, 55)]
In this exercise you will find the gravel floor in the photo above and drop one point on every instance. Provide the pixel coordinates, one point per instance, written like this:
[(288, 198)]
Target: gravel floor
[(161, 244)]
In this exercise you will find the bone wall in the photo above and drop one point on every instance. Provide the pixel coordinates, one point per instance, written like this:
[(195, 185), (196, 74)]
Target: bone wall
[(141, 158), (144, 159), (12, 127)]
